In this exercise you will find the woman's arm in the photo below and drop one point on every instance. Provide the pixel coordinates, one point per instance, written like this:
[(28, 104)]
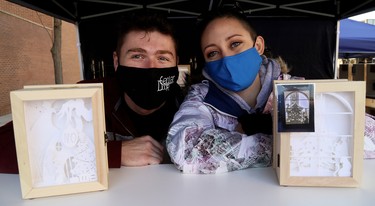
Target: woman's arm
[(195, 145)]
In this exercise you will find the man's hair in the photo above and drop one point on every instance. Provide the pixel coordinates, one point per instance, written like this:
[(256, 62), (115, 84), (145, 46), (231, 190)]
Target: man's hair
[(147, 22)]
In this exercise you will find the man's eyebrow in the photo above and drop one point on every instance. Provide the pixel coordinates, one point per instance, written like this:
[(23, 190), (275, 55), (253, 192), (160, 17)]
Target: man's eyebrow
[(140, 50), (136, 50), (164, 52)]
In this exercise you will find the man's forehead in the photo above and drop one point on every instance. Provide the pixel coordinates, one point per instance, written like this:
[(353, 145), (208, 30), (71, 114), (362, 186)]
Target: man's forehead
[(147, 41), (147, 36)]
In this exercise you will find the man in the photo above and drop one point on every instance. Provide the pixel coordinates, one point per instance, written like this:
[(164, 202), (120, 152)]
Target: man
[(140, 101)]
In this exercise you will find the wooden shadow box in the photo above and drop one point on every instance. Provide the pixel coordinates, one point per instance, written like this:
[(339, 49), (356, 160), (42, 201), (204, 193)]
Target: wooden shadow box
[(59, 133), (318, 132)]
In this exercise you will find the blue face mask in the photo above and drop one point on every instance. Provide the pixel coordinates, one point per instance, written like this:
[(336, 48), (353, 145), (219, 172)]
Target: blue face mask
[(236, 72)]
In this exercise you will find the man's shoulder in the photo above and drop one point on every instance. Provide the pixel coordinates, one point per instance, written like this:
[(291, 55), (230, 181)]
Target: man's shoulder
[(112, 90), (108, 82), (105, 80)]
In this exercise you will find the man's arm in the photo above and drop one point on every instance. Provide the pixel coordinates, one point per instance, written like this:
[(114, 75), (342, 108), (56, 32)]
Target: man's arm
[(141, 151)]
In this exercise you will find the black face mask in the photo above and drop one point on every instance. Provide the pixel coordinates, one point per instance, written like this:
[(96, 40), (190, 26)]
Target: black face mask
[(147, 87)]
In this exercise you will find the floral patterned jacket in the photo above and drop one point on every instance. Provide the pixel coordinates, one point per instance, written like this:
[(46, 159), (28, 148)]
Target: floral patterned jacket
[(203, 139)]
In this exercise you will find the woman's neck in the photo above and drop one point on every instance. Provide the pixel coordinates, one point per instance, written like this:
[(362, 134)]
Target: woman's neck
[(250, 94)]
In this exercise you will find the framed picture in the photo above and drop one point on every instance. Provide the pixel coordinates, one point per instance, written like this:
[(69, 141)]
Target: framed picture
[(59, 133), (183, 73), (295, 107), (331, 155)]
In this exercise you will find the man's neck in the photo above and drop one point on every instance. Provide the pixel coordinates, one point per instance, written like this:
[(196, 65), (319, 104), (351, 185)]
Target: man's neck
[(137, 109)]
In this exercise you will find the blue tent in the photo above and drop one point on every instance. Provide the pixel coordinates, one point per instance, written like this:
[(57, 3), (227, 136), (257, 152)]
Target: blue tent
[(357, 39)]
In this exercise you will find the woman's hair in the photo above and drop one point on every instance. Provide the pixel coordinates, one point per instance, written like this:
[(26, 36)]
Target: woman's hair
[(208, 17), (147, 22), (234, 13)]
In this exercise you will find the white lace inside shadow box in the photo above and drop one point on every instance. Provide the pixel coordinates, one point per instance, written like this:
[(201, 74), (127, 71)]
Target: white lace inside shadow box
[(59, 133), (318, 132)]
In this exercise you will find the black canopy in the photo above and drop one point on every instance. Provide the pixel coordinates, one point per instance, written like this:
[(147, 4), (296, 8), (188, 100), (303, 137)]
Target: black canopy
[(303, 32), (79, 10)]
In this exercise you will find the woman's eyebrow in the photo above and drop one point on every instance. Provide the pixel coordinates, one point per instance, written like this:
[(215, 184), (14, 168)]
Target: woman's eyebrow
[(226, 39), (210, 45), (232, 36)]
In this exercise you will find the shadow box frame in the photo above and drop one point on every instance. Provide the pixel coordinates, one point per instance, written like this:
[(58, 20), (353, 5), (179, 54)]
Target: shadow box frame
[(41, 172), (284, 156)]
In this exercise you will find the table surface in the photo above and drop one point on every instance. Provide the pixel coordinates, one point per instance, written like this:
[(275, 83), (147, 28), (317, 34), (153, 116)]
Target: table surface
[(165, 185)]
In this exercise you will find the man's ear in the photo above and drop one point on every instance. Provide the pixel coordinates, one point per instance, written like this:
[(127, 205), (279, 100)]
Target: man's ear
[(259, 44), (115, 60)]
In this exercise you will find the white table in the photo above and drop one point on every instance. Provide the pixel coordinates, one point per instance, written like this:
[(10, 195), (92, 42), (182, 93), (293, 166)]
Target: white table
[(164, 185)]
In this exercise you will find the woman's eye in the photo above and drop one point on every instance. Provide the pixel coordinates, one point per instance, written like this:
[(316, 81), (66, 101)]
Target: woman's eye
[(211, 54), (235, 44)]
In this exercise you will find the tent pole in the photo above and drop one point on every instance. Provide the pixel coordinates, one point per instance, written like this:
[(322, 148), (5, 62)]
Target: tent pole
[(335, 62), (79, 52)]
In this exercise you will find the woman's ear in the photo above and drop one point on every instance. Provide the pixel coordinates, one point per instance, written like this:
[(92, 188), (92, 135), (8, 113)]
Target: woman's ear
[(115, 60), (259, 44)]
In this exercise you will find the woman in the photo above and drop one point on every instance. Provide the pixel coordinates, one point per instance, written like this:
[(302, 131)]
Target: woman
[(225, 122)]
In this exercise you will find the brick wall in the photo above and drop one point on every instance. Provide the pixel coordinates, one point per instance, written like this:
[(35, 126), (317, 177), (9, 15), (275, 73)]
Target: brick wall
[(25, 57), (69, 54), (26, 14)]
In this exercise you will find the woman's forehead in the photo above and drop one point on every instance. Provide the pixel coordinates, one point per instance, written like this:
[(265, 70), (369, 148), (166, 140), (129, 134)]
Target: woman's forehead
[(224, 27)]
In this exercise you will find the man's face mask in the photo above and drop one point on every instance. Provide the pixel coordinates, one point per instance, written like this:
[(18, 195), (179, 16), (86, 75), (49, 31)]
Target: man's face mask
[(147, 87), (236, 72)]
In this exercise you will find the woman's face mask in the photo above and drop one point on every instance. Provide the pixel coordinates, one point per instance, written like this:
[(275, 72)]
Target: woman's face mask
[(147, 87), (236, 72)]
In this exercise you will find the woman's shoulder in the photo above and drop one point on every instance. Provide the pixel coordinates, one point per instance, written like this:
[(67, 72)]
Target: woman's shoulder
[(198, 90)]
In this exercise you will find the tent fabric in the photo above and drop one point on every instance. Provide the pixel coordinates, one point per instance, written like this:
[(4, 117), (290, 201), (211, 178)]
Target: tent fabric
[(357, 39), (307, 45), (81, 10), (301, 32)]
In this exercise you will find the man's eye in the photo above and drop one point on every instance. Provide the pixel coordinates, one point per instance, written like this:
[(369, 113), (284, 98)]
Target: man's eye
[(235, 44), (137, 56), (163, 59)]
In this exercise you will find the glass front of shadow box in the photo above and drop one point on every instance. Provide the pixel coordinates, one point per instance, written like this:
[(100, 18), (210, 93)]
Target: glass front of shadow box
[(328, 150), (62, 136), (58, 132), (318, 132)]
